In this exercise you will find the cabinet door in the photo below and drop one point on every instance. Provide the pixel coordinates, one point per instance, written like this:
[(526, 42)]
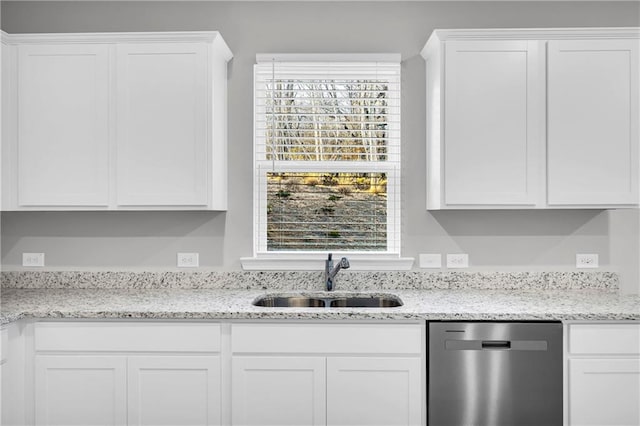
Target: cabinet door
[(1, 422), (62, 147), (7, 192), (4, 341), (174, 390), (80, 390), (162, 124), (493, 111), (593, 122), (604, 392), (374, 391), (14, 366), (278, 391)]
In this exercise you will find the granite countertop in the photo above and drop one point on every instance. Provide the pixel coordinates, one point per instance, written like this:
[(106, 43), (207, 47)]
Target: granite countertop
[(421, 304)]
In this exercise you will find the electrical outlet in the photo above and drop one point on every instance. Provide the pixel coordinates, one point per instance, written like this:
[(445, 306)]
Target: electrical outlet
[(586, 260), (430, 260), (188, 260), (32, 259), (458, 260)]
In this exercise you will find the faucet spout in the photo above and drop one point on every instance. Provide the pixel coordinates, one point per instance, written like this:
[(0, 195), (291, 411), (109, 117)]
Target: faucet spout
[(330, 271)]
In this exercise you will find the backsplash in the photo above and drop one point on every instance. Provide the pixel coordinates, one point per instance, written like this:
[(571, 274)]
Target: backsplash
[(347, 280)]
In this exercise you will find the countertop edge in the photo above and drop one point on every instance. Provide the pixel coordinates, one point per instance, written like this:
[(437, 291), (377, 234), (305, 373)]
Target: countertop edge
[(419, 305), (315, 316)]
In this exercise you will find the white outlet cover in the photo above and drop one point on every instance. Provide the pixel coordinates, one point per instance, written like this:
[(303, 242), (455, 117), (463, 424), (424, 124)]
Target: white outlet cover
[(33, 259), (430, 260), (188, 260), (457, 260), (586, 260)]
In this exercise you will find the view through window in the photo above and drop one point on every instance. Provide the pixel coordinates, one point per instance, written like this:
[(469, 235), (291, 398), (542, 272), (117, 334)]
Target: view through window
[(327, 156)]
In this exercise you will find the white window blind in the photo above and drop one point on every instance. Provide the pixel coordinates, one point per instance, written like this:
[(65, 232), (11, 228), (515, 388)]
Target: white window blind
[(327, 154)]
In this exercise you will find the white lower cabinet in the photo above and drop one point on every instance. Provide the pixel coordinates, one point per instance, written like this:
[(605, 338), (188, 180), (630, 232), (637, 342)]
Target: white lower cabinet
[(605, 392), (154, 373), (119, 390), (372, 391), (127, 373), (4, 342), (80, 390), (0, 395), (14, 364), (603, 374), (327, 374), (244, 373), (276, 391), (173, 390)]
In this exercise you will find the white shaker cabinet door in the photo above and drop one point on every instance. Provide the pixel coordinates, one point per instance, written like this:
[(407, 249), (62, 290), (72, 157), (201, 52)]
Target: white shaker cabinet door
[(372, 391), (492, 113), (80, 390), (162, 124), (593, 91), (604, 392), (62, 135), (174, 390), (278, 391)]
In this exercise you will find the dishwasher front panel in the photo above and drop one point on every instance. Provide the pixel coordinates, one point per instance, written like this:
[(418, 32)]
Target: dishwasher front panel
[(495, 374)]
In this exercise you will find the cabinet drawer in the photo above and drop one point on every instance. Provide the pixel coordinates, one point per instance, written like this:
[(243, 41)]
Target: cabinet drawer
[(610, 339), (327, 338), (127, 336)]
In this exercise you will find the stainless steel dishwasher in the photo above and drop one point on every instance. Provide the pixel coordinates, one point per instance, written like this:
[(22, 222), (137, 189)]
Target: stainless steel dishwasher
[(495, 374)]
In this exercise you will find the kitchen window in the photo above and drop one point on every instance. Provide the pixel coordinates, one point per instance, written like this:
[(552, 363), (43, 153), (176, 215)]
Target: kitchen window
[(326, 160)]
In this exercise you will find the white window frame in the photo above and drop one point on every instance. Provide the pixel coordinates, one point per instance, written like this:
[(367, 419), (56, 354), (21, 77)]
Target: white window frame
[(389, 259)]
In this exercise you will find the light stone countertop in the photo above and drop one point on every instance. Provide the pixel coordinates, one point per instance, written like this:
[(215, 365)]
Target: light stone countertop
[(424, 304)]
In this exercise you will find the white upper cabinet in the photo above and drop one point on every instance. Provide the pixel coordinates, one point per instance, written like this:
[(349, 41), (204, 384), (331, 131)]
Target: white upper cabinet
[(532, 118), (492, 97), (593, 122), (116, 121), (162, 124), (63, 127)]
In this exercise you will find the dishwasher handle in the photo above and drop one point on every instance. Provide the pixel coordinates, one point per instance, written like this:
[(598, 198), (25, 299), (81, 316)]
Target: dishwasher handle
[(496, 344), (482, 345)]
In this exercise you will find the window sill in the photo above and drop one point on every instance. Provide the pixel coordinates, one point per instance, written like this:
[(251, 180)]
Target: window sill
[(315, 262)]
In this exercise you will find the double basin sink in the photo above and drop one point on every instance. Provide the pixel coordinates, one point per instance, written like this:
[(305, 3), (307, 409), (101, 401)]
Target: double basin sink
[(328, 300)]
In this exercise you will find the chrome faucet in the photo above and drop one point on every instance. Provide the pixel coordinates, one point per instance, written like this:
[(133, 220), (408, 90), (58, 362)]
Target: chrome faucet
[(330, 271)]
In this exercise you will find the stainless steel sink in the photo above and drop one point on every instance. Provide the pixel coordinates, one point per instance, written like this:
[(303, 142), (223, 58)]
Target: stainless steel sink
[(386, 301), (329, 300), (289, 302)]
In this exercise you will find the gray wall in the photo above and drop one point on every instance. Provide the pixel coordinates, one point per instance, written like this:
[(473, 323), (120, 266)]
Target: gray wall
[(495, 240)]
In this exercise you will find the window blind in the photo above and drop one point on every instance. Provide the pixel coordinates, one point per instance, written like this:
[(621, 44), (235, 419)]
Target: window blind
[(327, 153)]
